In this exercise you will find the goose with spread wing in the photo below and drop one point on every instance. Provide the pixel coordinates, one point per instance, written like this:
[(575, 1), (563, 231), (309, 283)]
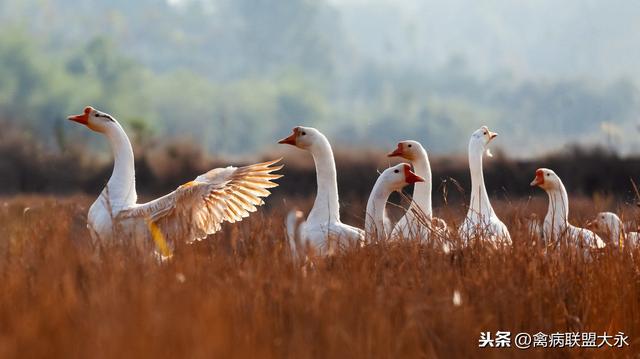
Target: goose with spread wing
[(194, 210)]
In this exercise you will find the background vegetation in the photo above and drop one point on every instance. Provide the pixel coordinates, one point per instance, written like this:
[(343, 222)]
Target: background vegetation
[(235, 75)]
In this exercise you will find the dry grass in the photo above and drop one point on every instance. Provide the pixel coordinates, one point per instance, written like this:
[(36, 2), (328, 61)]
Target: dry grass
[(238, 294)]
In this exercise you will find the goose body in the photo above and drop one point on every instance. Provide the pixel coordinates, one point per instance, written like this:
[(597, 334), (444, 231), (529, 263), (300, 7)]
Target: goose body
[(556, 227), (191, 212), (322, 230), (481, 221), (293, 222), (390, 180), (610, 224)]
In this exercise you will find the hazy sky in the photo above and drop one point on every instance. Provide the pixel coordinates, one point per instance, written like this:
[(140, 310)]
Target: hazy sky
[(352, 67), (594, 39), (542, 38)]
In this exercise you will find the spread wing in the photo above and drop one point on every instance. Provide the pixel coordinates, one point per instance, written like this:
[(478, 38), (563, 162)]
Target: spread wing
[(198, 208)]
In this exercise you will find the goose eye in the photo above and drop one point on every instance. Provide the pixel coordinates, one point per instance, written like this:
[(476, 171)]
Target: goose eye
[(396, 171), (409, 145), (548, 175), (303, 133), (485, 132), (97, 115)]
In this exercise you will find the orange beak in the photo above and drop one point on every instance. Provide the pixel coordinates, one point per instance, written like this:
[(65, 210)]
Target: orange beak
[(291, 140), (592, 225), (492, 135), (411, 177), (397, 152), (539, 180), (84, 118)]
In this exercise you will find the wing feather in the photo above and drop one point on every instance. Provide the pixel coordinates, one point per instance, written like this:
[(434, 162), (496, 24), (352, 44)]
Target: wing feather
[(239, 203), (255, 189), (199, 208), (249, 201), (235, 213)]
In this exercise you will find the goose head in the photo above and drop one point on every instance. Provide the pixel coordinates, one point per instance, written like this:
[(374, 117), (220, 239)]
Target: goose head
[(95, 120), (610, 224), (481, 138), (409, 150), (396, 177), (605, 222), (303, 137), (546, 179)]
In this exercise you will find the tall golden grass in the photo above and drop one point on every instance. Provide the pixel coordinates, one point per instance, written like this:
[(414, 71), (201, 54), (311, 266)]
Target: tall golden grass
[(239, 294)]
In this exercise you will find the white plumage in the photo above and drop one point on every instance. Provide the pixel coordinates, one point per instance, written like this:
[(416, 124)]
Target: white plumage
[(611, 225), (556, 227), (418, 221), (481, 222), (322, 230), (392, 179)]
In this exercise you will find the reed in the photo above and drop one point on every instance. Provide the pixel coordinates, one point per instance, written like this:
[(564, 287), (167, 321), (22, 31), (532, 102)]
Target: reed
[(240, 294)]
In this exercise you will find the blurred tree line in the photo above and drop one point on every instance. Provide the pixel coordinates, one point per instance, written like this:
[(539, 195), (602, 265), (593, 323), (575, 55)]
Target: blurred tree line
[(234, 75), (27, 167)]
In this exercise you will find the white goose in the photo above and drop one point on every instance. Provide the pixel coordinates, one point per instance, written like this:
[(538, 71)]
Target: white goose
[(293, 222), (322, 229), (191, 212), (418, 220), (392, 179), (610, 224), (556, 224), (481, 221)]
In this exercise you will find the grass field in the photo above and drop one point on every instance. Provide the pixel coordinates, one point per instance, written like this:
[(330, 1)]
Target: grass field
[(239, 294)]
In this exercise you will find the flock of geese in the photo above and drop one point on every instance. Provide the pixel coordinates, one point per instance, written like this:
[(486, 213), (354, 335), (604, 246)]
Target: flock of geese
[(198, 208)]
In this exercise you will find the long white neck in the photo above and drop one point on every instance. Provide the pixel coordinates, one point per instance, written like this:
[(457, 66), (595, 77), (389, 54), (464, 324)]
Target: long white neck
[(479, 203), (422, 190), (121, 188), (326, 207), (558, 211), (376, 210)]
